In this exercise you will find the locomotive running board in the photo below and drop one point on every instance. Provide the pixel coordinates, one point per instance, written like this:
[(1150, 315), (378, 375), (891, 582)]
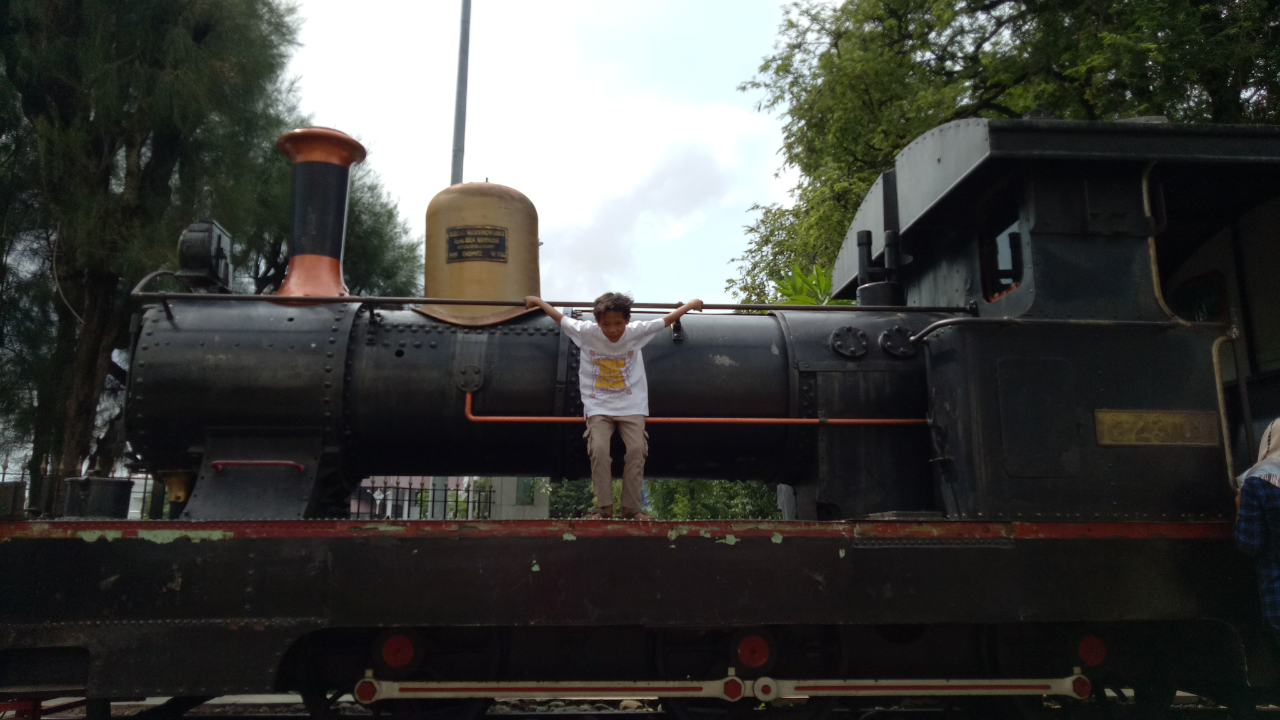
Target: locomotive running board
[(371, 690)]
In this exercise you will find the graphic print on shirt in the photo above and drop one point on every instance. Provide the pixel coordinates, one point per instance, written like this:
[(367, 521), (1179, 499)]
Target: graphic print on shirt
[(612, 374)]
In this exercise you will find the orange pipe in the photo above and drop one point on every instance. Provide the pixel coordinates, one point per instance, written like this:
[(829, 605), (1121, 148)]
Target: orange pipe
[(697, 420)]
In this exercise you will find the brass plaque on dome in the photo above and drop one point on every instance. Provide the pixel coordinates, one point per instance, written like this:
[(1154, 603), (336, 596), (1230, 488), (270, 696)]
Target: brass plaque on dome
[(1136, 428), (477, 242)]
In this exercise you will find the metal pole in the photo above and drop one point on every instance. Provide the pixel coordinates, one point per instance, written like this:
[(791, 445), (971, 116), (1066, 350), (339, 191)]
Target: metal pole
[(460, 108)]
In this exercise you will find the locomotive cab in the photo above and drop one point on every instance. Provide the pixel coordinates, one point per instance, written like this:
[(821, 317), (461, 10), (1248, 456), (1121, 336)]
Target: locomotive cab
[(1076, 391)]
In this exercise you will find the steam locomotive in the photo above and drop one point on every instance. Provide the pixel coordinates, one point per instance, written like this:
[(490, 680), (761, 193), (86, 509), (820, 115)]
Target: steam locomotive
[(1012, 459)]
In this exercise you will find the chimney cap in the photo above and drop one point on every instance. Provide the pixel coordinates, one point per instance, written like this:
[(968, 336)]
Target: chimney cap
[(321, 144)]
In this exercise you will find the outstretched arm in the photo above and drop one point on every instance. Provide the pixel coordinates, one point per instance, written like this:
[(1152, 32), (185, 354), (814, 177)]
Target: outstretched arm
[(534, 301), (674, 315)]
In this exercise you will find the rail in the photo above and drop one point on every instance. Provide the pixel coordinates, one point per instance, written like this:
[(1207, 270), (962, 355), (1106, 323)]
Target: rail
[(376, 498), (217, 465), (1157, 324), (352, 299), (467, 407)]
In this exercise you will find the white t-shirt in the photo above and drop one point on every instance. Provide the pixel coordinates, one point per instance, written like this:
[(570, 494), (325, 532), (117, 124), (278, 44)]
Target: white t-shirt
[(611, 375)]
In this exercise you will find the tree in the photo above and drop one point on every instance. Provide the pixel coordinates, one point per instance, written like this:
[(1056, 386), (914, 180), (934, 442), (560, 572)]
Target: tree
[(676, 499), (712, 500), (571, 498), (381, 256), (25, 301), (121, 123), (134, 106), (806, 289), (856, 82)]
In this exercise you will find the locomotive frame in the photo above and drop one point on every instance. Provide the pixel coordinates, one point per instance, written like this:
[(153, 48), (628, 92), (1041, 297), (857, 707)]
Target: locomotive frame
[(1031, 531)]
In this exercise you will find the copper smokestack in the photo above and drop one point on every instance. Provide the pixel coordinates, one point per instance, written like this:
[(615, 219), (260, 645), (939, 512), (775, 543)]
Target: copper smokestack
[(322, 160)]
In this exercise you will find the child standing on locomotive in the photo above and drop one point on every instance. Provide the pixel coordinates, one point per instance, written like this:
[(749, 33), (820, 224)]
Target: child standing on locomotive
[(1257, 530), (615, 392)]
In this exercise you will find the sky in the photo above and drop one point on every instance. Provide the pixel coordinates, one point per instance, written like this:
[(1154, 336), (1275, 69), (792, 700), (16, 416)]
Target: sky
[(621, 121)]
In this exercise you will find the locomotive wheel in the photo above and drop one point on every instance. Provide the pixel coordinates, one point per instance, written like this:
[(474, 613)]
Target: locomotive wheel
[(709, 654), (450, 654)]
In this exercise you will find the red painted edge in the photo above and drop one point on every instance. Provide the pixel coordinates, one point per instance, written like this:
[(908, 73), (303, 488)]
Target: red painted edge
[(545, 688), (169, 530), (913, 688)]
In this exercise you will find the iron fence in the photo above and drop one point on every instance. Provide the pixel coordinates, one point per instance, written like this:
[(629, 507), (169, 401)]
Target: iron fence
[(382, 498), (422, 498), (48, 497)]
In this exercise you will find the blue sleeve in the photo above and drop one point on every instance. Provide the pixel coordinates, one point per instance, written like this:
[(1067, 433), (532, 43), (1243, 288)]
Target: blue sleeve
[(1251, 524)]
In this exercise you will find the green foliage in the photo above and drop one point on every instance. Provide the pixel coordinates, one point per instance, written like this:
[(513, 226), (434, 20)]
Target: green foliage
[(811, 289), (381, 256), (26, 299), (712, 500), (571, 498), (122, 121), (677, 499), (856, 81), (131, 109), (137, 106)]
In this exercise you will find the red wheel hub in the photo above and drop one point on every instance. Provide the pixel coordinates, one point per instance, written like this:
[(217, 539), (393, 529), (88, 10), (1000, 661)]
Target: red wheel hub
[(397, 651), (1092, 650), (753, 651), (366, 691), (1081, 687)]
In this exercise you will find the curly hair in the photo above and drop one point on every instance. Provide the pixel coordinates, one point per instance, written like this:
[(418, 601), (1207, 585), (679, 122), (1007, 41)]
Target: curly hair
[(616, 302)]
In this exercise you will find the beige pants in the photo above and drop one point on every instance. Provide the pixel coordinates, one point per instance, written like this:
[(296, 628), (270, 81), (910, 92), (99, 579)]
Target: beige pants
[(599, 433)]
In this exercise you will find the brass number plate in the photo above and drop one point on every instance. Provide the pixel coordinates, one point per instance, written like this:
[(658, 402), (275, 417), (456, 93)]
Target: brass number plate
[(1156, 427), (477, 242)]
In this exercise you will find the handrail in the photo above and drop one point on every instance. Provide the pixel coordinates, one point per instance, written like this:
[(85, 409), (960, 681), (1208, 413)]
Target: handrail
[(217, 465), (1158, 324), (351, 299), (695, 420)]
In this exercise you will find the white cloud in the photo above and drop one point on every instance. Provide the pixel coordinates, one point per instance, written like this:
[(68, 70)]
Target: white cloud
[(580, 262), (620, 121)]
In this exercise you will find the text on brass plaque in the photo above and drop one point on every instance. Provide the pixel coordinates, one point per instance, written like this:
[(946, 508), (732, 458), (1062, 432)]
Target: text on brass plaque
[(1156, 427), (477, 242)]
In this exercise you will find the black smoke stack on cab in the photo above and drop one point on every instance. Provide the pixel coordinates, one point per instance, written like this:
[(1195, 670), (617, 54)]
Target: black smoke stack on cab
[(880, 286)]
